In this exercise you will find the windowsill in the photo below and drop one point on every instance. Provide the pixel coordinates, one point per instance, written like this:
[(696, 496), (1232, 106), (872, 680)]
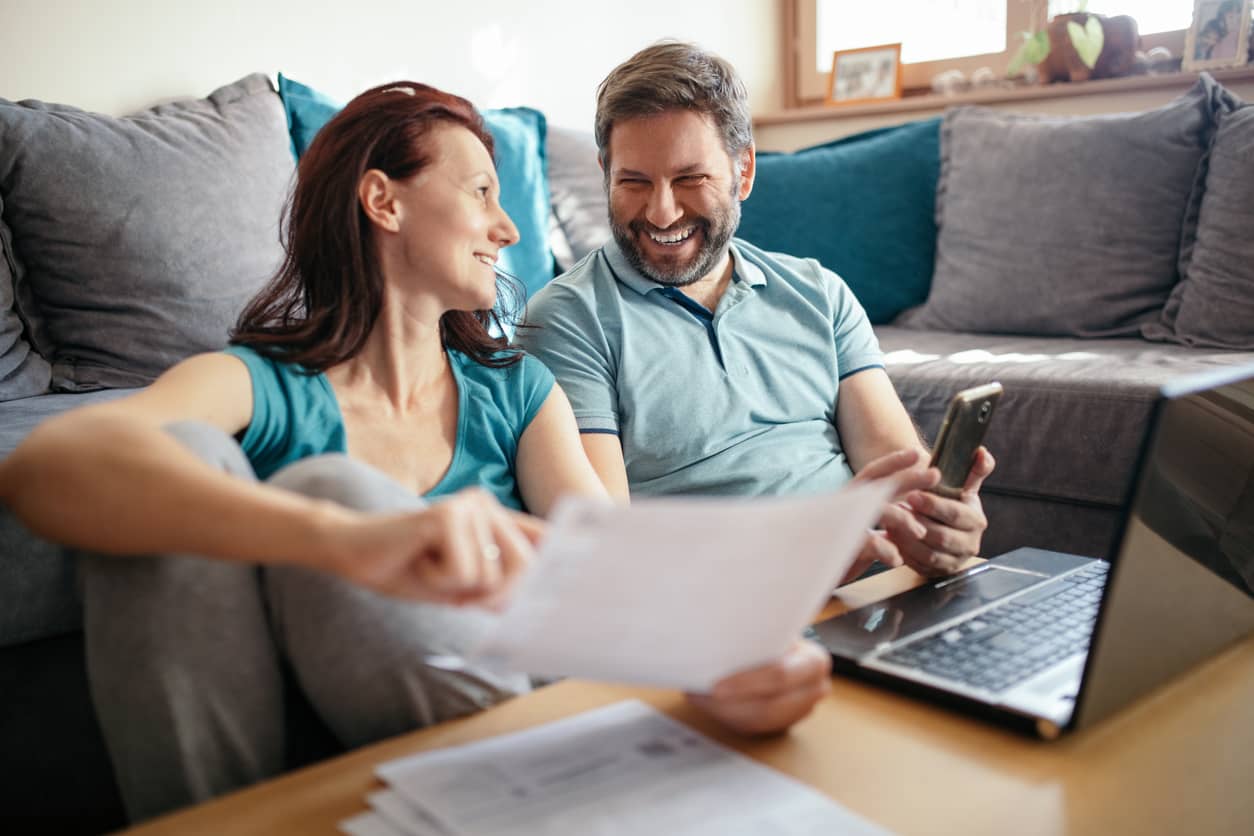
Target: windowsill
[(933, 101)]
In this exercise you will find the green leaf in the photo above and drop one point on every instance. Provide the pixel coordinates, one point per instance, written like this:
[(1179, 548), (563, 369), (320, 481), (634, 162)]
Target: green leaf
[(1034, 50), (1088, 40), (1039, 47)]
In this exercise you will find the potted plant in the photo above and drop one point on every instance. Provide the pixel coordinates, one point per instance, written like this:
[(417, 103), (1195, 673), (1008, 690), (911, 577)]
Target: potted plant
[(1078, 46)]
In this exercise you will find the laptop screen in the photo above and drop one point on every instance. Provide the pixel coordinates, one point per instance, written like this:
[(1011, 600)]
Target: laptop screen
[(1197, 489), (1182, 582)]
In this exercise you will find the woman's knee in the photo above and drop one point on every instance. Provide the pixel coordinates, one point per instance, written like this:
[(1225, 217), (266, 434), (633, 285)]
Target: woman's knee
[(212, 445), (362, 658), (348, 482)]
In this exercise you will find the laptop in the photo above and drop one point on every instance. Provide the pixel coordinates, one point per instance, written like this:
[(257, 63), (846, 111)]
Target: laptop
[(1048, 642)]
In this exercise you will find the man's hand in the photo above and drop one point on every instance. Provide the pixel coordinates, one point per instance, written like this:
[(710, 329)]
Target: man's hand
[(772, 697), (947, 531), (909, 470)]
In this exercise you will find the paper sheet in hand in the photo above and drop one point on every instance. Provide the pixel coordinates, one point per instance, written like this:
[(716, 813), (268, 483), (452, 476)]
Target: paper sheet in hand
[(678, 592), (625, 768)]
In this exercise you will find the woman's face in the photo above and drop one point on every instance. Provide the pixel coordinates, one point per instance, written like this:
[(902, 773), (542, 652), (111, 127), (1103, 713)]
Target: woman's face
[(452, 226)]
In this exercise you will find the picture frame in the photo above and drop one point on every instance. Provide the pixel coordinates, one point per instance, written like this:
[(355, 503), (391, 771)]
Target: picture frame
[(1219, 35), (866, 74)]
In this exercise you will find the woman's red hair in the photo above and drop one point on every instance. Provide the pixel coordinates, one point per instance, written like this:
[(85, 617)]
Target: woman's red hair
[(323, 303)]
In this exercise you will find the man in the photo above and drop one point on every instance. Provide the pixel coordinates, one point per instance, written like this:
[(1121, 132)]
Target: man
[(697, 363)]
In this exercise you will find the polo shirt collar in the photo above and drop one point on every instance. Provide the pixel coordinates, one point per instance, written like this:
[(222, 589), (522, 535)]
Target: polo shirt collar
[(745, 271)]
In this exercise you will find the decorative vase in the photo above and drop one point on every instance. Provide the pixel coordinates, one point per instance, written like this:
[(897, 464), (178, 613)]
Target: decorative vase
[(1117, 58)]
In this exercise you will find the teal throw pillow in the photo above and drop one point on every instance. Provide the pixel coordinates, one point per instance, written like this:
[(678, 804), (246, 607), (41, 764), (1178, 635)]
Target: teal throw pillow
[(307, 111), (863, 206), (521, 165)]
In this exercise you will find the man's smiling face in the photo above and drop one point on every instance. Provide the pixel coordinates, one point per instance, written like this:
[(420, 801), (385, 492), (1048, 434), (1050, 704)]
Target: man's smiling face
[(674, 194)]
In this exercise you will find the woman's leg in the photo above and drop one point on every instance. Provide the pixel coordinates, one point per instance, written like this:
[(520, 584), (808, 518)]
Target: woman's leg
[(359, 656), (184, 674)]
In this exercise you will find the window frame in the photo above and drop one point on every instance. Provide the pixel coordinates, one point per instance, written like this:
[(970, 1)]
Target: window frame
[(806, 85)]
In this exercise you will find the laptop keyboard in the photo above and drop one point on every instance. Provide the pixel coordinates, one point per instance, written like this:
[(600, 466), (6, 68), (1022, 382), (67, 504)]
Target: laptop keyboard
[(1012, 642)]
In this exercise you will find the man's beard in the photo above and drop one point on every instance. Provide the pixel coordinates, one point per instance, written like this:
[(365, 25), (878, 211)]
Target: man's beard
[(715, 231)]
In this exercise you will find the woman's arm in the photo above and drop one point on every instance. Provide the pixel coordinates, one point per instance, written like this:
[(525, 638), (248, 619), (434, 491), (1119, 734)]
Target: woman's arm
[(605, 451), (551, 460), (108, 478)]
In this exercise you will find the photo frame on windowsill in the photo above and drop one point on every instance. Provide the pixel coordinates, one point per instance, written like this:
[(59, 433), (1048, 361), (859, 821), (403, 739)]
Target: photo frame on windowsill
[(866, 74), (1219, 35)]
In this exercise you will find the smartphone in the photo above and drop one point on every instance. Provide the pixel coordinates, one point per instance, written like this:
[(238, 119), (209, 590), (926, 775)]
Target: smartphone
[(961, 434)]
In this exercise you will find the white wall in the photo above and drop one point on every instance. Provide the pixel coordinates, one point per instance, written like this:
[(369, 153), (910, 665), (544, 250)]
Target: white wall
[(116, 56)]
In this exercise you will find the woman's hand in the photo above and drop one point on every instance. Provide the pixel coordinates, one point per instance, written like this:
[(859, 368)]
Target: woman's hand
[(465, 549), (772, 697)]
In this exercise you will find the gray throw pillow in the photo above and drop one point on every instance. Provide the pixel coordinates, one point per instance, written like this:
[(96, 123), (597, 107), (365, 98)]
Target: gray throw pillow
[(1213, 306), (577, 191), (1063, 226), (23, 373), (136, 241)]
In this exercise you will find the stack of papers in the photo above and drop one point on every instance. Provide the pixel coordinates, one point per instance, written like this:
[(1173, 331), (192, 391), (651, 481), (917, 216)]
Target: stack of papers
[(622, 769)]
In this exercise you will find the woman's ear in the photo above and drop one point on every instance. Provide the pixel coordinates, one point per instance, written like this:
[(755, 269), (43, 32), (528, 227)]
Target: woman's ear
[(377, 197)]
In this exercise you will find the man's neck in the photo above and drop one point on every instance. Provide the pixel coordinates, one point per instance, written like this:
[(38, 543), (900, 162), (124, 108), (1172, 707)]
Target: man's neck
[(709, 289)]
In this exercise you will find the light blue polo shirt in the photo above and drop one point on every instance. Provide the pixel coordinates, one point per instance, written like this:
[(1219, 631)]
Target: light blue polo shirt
[(741, 400), (296, 415)]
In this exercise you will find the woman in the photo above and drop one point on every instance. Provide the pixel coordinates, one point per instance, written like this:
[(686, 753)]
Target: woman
[(363, 378), (364, 375)]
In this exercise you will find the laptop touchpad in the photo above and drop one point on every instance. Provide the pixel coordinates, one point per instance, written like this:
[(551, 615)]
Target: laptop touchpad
[(860, 631)]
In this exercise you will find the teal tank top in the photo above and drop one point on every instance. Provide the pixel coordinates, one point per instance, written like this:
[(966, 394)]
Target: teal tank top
[(296, 415)]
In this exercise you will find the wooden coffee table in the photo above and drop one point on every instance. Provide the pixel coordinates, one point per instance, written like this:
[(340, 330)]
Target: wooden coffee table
[(1179, 761)]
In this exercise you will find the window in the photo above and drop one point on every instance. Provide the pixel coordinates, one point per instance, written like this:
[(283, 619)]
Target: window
[(937, 35), (1152, 16), (928, 31)]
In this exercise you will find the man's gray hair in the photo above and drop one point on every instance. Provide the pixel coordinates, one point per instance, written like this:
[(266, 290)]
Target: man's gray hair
[(671, 75)]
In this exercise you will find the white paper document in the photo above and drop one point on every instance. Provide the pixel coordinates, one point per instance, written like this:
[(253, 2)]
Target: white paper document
[(370, 824), (622, 769), (678, 592), (405, 816)]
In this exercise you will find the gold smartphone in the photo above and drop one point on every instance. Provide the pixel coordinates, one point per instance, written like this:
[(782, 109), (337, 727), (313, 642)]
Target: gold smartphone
[(961, 434)]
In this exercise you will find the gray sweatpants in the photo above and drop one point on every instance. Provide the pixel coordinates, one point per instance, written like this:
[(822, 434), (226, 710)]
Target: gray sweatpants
[(184, 654)]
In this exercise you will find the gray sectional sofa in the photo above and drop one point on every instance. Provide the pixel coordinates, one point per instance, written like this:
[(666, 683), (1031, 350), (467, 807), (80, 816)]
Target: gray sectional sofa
[(969, 279)]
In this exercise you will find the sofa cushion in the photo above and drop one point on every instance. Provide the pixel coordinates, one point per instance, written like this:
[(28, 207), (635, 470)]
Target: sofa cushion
[(518, 134), (1213, 306), (307, 111), (138, 240), (23, 373), (519, 138), (1055, 524), (863, 206), (37, 577), (577, 186), (1071, 422), (1052, 225)]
